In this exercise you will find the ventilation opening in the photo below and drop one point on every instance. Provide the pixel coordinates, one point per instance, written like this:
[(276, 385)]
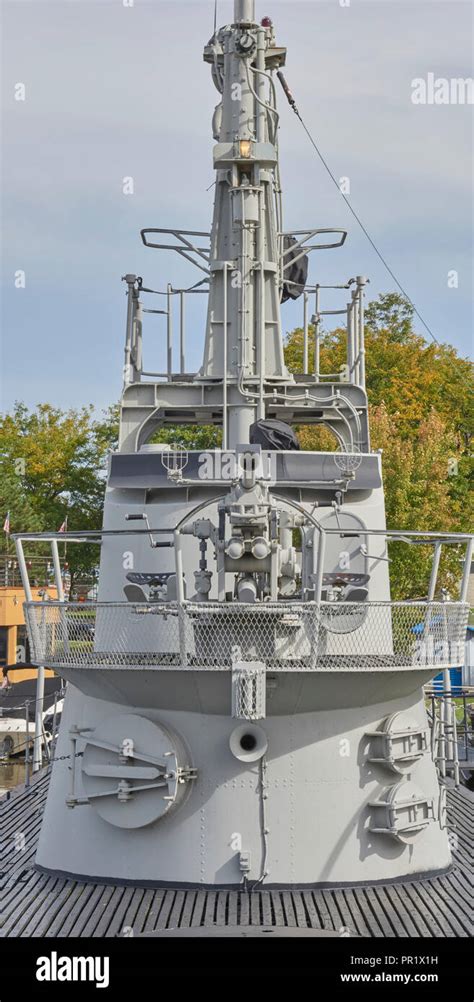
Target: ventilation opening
[(248, 742)]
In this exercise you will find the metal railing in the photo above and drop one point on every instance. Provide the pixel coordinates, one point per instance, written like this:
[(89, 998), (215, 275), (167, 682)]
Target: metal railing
[(300, 635), (186, 245), (133, 366), (452, 742), (353, 371), (174, 540), (286, 636), (38, 746), (41, 571)]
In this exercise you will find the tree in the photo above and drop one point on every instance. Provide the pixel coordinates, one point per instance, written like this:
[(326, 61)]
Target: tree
[(391, 313), (417, 497), (410, 376), (53, 467)]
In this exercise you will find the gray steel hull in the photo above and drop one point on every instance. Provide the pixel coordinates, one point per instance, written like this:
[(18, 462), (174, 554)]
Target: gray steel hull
[(309, 825)]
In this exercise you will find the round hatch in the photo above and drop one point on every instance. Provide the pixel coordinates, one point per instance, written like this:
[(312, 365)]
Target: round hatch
[(134, 771)]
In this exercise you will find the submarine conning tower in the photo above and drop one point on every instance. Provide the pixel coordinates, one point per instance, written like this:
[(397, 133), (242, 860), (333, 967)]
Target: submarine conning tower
[(245, 700)]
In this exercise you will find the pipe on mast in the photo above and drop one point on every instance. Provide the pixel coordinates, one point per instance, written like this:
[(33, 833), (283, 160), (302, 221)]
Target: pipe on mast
[(245, 309), (244, 11)]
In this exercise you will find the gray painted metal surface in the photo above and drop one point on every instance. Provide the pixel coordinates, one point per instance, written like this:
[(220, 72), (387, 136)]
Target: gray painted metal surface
[(318, 472)]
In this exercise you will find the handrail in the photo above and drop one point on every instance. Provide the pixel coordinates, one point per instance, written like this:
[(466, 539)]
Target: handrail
[(353, 370), (410, 537), (292, 635), (187, 247)]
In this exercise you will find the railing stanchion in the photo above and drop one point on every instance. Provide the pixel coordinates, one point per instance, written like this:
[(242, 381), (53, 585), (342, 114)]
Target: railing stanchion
[(430, 596), (53, 727), (23, 570), (128, 367), (27, 747), (60, 590), (30, 616), (448, 718), (318, 583), (350, 341), (455, 747), (224, 376), (37, 742), (356, 333), (57, 570), (466, 570), (433, 729), (316, 335), (434, 572), (361, 281), (37, 750), (169, 331), (305, 333), (180, 597), (442, 738), (182, 362)]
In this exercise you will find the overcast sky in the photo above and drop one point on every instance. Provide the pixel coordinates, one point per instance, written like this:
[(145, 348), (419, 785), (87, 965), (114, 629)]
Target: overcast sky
[(114, 91)]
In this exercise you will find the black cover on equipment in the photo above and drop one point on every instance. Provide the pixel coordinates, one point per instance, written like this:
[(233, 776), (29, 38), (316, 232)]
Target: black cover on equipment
[(296, 272), (272, 434)]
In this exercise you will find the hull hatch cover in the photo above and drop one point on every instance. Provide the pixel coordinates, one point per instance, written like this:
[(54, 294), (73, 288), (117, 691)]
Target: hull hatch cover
[(133, 771)]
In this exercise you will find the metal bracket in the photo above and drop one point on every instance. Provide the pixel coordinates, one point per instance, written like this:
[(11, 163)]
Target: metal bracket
[(248, 690), (389, 737), (186, 248), (306, 247), (187, 773), (244, 862), (393, 805)]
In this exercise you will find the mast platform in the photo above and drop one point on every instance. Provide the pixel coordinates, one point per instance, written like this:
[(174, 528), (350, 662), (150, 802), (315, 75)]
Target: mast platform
[(41, 904)]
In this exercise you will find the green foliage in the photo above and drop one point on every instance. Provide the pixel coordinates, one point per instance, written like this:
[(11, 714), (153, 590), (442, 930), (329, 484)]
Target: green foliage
[(405, 373), (53, 466), (190, 436), (418, 495), (391, 313)]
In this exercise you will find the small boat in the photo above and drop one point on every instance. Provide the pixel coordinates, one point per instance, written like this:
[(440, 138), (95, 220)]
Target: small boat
[(18, 710)]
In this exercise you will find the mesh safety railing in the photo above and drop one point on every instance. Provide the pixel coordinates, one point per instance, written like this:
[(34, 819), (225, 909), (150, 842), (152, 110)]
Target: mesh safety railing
[(361, 636)]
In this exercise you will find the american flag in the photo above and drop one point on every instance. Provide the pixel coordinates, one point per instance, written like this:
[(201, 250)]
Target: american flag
[(6, 524), (63, 527)]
